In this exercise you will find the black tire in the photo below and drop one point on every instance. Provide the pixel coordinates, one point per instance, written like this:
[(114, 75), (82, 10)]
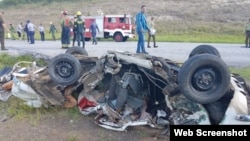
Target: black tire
[(76, 50), (64, 69), (125, 39), (204, 78), (208, 49), (87, 39), (118, 37)]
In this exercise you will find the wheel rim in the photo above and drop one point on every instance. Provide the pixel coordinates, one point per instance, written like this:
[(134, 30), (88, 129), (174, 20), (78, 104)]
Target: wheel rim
[(64, 69), (204, 79), (118, 37)]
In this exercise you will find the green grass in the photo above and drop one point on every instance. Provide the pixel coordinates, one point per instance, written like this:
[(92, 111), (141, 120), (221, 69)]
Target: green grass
[(200, 38), (177, 37), (199, 32), (7, 60), (244, 72), (197, 38), (16, 108)]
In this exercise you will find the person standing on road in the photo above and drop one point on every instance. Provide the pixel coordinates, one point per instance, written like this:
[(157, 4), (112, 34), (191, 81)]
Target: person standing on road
[(80, 28), (41, 31), (152, 32), (20, 31), (141, 26), (93, 29), (12, 32), (26, 30), (65, 24), (52, 30), (2, 29), (31, 30), (247, 34)]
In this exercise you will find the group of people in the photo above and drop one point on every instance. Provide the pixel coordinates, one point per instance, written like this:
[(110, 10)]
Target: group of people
[(28, 30), (78, 30), (78, 26), (142, 26)]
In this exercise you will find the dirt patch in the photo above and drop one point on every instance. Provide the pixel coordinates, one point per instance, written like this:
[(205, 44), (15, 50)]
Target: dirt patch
[(59, 127)]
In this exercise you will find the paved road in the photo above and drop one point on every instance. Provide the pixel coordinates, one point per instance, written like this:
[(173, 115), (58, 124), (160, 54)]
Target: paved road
[(232, 54)]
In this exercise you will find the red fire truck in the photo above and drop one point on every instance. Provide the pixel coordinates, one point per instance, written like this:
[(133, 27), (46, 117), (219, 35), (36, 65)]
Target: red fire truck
[(118, 27)]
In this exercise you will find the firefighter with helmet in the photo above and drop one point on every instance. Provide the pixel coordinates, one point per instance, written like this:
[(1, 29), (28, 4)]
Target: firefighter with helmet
[(79, 26), (66, 24)]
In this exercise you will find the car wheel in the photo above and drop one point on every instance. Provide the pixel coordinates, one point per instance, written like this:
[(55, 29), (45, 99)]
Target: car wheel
[(118, 37), (87, 39), (76, 50), (204, 78), (125, 39), (201, 49), (64, 69)]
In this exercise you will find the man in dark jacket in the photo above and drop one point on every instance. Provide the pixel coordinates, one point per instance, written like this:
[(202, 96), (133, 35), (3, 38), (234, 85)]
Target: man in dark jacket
[(26, 30), (52, 30), (2, 28)]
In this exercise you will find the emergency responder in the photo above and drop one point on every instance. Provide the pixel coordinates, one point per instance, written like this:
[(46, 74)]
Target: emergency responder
[(66, 25), (80, 28)]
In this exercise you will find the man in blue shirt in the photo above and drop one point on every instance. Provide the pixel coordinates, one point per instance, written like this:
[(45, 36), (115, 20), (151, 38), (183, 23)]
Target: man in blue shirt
[(141, 26)]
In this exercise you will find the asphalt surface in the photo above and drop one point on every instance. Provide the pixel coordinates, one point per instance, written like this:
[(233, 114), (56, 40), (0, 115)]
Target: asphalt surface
[(233, 54)]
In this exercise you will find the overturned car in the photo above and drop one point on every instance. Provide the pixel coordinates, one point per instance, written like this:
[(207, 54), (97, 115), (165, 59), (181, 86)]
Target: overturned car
[(125, 89)]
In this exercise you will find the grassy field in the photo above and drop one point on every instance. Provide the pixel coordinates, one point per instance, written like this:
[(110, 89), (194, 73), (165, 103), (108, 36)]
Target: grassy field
[(176, 21)]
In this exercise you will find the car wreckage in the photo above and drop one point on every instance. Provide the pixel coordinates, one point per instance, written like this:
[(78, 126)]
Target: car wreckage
[(125, 89)]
